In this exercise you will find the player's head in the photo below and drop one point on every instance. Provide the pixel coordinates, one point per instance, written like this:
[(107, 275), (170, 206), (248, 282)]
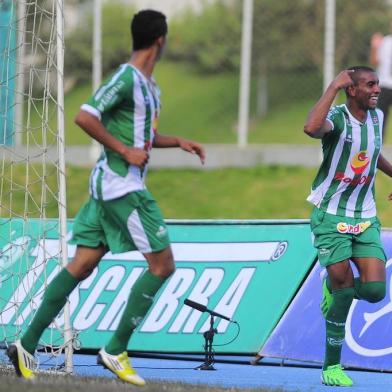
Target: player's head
[(147, 27), (365, 88), (358, 71)]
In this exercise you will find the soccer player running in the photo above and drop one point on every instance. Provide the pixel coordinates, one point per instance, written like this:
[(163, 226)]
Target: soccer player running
[(121, 215), (344, 221)]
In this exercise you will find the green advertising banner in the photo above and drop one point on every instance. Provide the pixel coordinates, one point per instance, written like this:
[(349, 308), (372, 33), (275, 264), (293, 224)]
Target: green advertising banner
[(246, 270), (7, 70)]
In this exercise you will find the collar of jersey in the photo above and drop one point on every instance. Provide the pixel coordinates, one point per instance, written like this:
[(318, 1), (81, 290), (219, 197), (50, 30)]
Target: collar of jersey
[(353, 119), (148, 81)]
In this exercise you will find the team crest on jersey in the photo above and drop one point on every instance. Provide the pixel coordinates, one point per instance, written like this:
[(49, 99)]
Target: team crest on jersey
[(346, 228)]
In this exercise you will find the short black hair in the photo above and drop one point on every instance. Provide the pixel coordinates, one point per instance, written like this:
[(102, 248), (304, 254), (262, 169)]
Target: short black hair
[(358, 69), (355, 76), (146, 27)]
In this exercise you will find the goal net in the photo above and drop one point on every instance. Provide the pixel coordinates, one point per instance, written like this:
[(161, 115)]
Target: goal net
[(32, 170)]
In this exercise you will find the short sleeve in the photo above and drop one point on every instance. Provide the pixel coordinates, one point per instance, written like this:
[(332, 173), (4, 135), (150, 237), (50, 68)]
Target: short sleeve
[(111, 93), (336, 118)]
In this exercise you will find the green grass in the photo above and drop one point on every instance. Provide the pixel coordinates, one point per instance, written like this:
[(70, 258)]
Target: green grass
[(283, 126), (46, 383), (73, 134), (264, 192), (204, 107)]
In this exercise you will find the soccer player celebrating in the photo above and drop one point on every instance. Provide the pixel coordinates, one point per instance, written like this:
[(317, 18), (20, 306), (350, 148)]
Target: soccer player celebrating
[(344, 221), (121, 215)]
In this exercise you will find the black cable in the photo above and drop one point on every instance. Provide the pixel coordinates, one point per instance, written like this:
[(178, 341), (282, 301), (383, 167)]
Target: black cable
[(232, 340)]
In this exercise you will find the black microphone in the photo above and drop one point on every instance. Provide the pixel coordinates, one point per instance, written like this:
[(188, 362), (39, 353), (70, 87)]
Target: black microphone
[(203, 308)]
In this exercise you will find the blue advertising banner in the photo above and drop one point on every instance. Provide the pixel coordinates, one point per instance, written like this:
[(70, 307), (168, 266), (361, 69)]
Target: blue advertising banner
[(7, 70), (300, 334)]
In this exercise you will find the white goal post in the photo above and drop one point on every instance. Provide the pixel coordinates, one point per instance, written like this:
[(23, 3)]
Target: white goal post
[(32, 177)]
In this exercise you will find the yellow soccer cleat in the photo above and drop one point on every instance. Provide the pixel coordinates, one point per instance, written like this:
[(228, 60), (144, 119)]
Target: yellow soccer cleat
[(120, 366), (24, 363)]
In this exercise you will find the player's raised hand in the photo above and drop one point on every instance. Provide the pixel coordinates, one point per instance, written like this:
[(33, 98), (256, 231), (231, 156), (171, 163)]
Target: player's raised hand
[(136, 156), (193, 148), (343, 79)]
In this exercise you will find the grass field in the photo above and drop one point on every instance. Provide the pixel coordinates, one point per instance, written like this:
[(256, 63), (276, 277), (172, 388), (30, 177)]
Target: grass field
[(204, 107), (264, 192), (10, 383)]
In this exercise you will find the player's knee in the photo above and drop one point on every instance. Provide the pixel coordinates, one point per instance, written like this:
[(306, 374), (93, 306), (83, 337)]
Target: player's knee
[(373, 291), (84, 274), (164, 271), (161, 263), (80, 271)]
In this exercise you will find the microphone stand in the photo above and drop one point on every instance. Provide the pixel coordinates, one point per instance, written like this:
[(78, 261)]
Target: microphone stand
[(208, 352)]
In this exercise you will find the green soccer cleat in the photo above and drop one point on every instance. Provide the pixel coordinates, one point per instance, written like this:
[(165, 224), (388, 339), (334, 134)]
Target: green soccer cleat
[(335, 376), (327, 296), (120, 366), (24, 363)]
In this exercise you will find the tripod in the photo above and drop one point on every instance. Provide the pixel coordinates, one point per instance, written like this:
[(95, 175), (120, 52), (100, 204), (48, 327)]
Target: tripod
[(208, 353)]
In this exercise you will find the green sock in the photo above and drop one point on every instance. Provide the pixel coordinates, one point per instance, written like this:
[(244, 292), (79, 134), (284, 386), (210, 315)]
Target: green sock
[(328, 281), (335, 324), (358, 287), (54, 299), (373, 291), (139, 302)]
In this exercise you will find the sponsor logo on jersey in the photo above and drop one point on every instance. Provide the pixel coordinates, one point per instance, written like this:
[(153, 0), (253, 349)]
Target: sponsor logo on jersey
[(106, 95), (340, 176), (359, 162), (345, 228)]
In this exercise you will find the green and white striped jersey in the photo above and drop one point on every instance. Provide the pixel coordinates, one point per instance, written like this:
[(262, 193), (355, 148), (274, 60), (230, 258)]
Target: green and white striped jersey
[(344, 184), (128, 105)]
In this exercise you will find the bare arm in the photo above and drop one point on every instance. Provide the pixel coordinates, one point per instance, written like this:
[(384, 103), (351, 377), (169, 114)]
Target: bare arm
[(93, 127), (316, 124), (386, 167), (164, 141)]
